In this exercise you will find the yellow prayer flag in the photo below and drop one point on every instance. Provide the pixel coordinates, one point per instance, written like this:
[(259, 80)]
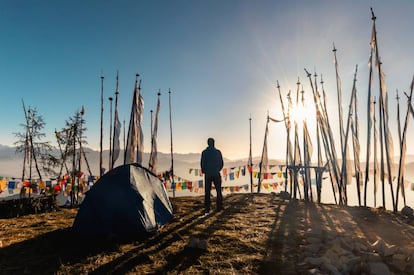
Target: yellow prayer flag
[(42, 185), (3, 184)]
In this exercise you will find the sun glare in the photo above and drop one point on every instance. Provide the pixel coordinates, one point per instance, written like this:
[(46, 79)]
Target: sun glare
[(297, 114), (301, 113)]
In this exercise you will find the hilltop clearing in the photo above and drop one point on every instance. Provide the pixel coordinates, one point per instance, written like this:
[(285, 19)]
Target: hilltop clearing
[(255, 234)]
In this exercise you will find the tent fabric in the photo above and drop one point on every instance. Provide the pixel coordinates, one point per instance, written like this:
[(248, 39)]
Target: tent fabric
[(128, 199)]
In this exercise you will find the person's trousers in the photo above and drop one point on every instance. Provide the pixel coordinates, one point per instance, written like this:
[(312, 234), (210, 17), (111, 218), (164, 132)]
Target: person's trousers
[(216, 180)]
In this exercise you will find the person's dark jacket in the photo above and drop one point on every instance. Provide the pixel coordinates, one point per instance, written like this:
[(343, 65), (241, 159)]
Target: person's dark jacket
[(211, 161)]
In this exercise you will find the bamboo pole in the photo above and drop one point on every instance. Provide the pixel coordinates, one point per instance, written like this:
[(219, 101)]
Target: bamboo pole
[(72, 193), (306, 158), (327, 138), (26, 142), (297, 155), (344, 170), (171, 144), (401, 163), (384, 134), (264, 151), (101, 137), (289, 156), (369, 127), (80, 153), (319, 172), (375, 156), (110, 133), (397, 97), (250, 164), (322, 114), (115, 122), (339, 94)]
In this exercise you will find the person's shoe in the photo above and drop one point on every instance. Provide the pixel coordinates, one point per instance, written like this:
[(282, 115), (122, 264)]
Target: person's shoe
[(218, 209)]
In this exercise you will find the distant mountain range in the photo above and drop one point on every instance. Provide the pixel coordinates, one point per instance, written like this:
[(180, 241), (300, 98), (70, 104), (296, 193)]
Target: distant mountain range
[(11, 163)]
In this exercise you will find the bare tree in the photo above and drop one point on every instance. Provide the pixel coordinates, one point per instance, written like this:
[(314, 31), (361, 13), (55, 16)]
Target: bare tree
[(71, 138), (37, 153)]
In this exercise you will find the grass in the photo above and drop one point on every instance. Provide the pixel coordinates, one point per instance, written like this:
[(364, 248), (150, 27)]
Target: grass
[(255, 234)]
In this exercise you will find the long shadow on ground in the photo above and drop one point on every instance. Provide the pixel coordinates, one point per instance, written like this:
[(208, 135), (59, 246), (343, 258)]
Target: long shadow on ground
[(46, 253), (183, 222)]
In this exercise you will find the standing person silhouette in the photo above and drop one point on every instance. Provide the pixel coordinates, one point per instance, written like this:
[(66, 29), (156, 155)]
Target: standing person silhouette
[(211, 165)]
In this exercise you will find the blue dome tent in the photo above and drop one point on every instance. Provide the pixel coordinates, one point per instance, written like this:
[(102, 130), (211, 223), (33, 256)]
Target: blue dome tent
[(129, 199)]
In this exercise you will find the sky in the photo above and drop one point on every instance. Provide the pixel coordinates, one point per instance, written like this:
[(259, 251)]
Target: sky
[(220, 59)]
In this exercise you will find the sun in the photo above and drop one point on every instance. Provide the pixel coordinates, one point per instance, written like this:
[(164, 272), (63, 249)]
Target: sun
[(303, 113)]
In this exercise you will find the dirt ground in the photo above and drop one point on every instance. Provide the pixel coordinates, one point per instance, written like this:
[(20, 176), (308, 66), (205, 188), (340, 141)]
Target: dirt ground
[(255, 234)]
